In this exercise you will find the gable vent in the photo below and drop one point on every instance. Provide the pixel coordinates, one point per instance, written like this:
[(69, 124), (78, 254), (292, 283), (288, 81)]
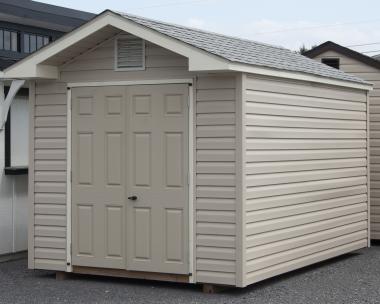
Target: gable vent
[(130, 53)]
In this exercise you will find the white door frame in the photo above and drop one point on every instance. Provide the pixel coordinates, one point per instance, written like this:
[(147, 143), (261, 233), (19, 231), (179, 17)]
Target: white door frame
[(188, 81)]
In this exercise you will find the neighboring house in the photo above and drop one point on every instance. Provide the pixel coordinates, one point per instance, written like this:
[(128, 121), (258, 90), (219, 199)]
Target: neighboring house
[(367, 68), (25, 26), (170, 153)]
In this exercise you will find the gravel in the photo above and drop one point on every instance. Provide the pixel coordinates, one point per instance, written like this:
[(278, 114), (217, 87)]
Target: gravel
[(352, 278)]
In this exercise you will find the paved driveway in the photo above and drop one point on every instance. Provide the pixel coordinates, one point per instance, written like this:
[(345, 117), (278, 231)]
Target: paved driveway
[(353, 278)]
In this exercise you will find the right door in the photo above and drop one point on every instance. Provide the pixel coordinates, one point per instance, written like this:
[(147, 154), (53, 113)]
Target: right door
[(157, 176)]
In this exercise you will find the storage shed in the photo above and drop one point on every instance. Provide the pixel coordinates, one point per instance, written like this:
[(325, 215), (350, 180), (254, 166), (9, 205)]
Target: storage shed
[(163, 152), (367, 68)]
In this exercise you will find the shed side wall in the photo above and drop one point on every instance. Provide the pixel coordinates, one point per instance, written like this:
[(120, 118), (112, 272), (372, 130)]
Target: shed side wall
[(306, 174), (49, 176), (215, 204), (372, 75)]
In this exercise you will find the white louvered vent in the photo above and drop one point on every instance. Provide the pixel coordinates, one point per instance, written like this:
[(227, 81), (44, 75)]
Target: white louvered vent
[(130, 53)]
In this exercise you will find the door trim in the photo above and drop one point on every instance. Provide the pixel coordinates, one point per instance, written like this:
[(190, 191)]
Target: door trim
[(69, 267), (129, 83), (191, 165)]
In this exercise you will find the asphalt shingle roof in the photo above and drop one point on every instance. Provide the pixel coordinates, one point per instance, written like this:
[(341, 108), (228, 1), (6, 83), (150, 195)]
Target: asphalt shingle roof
[(244, 51)]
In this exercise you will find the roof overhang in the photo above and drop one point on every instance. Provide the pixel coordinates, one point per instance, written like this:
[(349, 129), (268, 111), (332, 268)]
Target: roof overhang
[(37, 66)]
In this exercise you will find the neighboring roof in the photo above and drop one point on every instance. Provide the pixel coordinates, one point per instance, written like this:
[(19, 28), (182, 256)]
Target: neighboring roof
[(377, 57), (332, 46), (44, 15), (244, 51), (6, 62)]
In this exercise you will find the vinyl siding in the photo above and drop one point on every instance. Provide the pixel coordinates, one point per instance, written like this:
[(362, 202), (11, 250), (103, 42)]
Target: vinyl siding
[(214, 158), (49, 176), (216, 204), (305, 174), (372, 75), (98, 65)]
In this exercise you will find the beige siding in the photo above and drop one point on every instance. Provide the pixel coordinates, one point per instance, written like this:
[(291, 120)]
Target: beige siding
[(216, 205), (370, 74), (306, 175), (49, 176), (98, 65), (214, 159)]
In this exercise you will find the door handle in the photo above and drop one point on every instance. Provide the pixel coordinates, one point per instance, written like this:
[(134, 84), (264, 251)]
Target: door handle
[(132, 198)]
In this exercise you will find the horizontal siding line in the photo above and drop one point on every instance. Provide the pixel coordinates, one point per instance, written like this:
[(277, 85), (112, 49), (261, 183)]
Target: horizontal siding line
[(50, 181), (305, 112), (300, 160), (303, 235), (291, 183), (290, 128), (256, 276), (353, 231), (306, 106), (260, 182), (292, 232), (298, 215), (360, 200), (302, 198), (256, 86), (303, 123), (305, 171), (282, 167), (313, 186), (275, 115), (256, 90), (320, 212), (357, 239), (301, 106)]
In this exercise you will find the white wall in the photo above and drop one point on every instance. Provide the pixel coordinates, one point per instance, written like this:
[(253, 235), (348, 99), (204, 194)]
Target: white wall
[(14, 189)]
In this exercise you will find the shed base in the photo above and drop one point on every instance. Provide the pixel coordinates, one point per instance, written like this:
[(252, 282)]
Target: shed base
[(212, 288), (179, 278)]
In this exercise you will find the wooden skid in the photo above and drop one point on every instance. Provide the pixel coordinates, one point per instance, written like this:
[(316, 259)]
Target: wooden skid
[(131, 274)]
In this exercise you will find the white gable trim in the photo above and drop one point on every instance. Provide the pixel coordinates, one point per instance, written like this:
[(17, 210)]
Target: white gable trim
[(31, 67)]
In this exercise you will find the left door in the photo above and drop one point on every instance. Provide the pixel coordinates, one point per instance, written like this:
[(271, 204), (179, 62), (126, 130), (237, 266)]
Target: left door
[(98, 182)]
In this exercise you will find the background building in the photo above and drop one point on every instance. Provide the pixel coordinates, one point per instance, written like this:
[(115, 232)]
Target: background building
[(25, 26)]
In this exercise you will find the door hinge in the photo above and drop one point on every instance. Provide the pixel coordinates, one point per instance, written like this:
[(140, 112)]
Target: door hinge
[(71, 176)]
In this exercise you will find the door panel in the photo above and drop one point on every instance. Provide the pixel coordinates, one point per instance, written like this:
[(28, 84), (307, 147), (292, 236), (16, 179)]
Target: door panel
[(130, 141), (157, 222), (98, 183)]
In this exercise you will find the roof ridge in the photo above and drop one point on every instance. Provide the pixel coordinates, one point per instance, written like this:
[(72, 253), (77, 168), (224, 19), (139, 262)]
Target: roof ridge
[(128, 15)]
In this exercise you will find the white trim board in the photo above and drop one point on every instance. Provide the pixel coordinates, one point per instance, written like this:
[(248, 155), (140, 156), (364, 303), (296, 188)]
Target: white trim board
[(129, 83), (69, 267), (191, 168)]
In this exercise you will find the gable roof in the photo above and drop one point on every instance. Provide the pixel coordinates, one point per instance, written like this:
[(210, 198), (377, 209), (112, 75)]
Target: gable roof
[(332, 46), (244, 51), (206, 51)]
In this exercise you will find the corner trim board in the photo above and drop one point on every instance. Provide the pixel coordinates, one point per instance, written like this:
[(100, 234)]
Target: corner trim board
[(191, 140), (69, 267), (32, 97)]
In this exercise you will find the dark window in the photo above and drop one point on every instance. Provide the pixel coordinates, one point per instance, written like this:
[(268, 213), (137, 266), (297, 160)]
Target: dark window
[(9, 40), (33, 42), (333, 62)]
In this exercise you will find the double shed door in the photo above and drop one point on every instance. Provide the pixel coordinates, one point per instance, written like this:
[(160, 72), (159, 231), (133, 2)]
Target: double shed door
[(130, 177)]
